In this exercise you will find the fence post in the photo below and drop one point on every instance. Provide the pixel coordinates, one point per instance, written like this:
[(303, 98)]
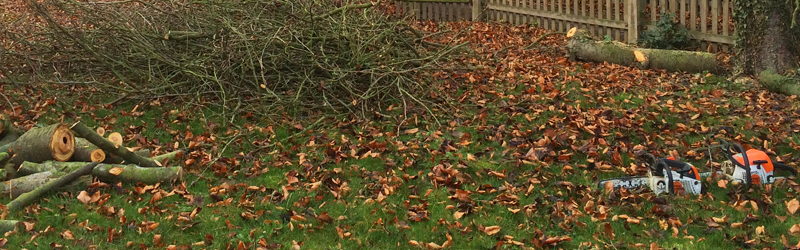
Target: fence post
[(635, 18), (477, 8)]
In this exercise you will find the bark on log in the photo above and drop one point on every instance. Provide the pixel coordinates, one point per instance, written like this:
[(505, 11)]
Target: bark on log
[(25, 199), (131, 157), (113, 159), (581, 46), (18, 186), (134, 174), (85, 151), (54, 142), (6, 140), (10, 225), (21, 185), (677, 60), (127, 173)]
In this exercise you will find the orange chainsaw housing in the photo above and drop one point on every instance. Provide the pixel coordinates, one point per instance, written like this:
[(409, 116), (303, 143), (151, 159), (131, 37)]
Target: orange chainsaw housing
[(756, 155)]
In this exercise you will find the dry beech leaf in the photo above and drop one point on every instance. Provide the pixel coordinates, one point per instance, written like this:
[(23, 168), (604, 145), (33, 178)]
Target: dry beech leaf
[(115, 171), (84, 197), (792, 206), (491, 230), (795, 230), (67, 235)]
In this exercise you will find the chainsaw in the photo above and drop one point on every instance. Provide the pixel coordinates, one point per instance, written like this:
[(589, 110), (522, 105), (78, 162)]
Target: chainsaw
[(665, 175), (760, 169)]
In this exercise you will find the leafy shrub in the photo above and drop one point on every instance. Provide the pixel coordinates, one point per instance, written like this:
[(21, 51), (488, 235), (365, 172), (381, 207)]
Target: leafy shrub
[(667, 34)]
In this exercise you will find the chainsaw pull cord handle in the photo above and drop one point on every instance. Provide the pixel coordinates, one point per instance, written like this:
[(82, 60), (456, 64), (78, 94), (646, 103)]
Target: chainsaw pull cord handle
[(726, 146)]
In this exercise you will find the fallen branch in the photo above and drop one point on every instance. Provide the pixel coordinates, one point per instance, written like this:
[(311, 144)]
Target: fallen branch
[(54, 142), (347, 7), (113, 159), (25, 199), (107, 146), (121, 173), (135, 174)]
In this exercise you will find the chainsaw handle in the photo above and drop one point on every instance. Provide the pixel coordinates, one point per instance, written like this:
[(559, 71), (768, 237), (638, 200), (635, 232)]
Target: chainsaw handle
[(663, 166), (726, 146)]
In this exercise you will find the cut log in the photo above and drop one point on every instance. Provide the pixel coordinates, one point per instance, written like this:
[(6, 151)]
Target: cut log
[(115, 138), (581, 46), (21, 185), (677, 60), (107, 146), (121, 173), (26, 199), (100, 131), (54, 142), (10, 225), (85, 151)]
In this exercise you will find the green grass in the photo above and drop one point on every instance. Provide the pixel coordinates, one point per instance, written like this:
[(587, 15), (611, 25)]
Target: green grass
[(373, 212)]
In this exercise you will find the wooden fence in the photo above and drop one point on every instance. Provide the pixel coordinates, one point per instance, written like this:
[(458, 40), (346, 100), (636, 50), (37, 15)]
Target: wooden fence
[(708, 21)]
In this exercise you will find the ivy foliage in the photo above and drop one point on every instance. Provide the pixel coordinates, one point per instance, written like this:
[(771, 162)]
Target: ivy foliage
[(667, 34)]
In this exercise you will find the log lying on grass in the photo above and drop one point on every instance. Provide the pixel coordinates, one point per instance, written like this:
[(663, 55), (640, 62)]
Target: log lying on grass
[(85, 151), (29, 197), (24, 184), (581, 46), (111, 173), (10, 225), (109, 147), (54, 142)]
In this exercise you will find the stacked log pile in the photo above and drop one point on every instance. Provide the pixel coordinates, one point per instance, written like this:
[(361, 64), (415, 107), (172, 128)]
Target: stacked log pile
[(50, 158)]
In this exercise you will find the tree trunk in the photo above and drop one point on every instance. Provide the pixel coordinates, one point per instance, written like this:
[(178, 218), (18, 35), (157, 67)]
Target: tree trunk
[(768, 47)]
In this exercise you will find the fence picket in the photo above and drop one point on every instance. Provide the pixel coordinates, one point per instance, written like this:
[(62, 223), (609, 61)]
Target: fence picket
[(704, 16), (673, 6), (694, 15), (618, 12), (725, 16), (683, 12), (714, 16)]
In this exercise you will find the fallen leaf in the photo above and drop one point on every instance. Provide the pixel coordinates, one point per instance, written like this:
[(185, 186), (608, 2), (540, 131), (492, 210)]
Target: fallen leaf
[(84, 197), (490, 230), (792, 206), (795, 230), (67, 235)]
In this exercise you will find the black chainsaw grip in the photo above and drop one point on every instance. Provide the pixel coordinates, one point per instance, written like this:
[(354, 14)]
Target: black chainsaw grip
[(745, 165), (664, 166)]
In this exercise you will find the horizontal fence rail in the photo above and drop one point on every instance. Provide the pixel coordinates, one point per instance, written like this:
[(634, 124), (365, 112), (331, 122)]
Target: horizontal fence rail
[(709, 21)]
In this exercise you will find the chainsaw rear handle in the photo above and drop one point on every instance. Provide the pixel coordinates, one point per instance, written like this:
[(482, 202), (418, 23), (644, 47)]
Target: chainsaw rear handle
[(726, 147)]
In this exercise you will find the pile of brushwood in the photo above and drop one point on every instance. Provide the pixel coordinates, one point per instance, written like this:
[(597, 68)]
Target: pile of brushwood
[(60, 156), (344, 55)]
